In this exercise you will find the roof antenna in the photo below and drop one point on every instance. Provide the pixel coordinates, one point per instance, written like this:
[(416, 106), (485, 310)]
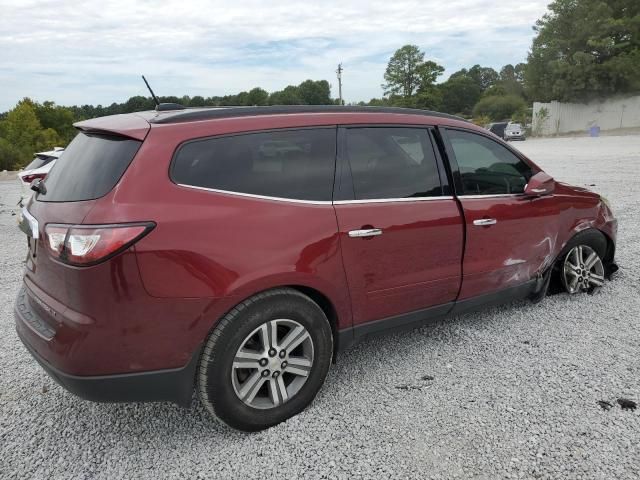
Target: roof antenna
[(155, 99), (162, 106)]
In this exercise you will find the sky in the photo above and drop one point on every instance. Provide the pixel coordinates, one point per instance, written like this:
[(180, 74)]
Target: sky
[(93, 52)]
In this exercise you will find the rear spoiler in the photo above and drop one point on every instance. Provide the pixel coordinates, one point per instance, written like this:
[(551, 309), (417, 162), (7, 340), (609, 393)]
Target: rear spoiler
[(127, 125)]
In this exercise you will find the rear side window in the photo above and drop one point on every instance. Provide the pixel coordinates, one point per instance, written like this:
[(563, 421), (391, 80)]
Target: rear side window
[(39, 161), (392, 163), (486, 167), (294, 164), (89, 168)]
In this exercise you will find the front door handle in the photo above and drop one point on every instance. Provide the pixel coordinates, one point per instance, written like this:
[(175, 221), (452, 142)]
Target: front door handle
[(483, 222), (367, 232)]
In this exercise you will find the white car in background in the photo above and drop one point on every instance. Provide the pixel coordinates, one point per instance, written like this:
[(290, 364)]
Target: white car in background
[(38, 168)]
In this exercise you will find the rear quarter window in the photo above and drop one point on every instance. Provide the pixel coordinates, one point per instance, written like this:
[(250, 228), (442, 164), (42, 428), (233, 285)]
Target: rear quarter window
[(89, 168), (292, 164)]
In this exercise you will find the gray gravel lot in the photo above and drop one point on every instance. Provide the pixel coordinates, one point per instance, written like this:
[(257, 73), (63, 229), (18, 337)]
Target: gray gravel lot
[(510, 392)]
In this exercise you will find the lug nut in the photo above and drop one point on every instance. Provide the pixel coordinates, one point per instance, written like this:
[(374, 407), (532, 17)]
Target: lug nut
[(276, 374), (284, 365), (265, 373), (283, 354), (272, 352), (263, 362)]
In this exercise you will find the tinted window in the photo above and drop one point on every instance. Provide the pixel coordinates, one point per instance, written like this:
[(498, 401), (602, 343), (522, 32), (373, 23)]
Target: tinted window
[(39, 161), (89, 167), (486, 167), (392, 163), (296, 164)]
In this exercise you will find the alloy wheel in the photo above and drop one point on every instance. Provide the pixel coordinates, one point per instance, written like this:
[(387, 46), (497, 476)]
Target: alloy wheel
[(582, 270), (272, 363)]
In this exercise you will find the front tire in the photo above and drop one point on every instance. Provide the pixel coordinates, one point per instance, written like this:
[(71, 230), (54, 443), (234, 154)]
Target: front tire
[(266, 360), (581, 266)]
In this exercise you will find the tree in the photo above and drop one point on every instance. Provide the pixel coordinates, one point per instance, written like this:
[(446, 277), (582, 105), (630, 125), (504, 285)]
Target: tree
[(484, 77), (315, 92), (257, 96), (407, 73), (511, 80), (10, 156), (289, 96), (57, 118), (24, 134), (585, 49), (459, 95), (197, 101), (500, 107)]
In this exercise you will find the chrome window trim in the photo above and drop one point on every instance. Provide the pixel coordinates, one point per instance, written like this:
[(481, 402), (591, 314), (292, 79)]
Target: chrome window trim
[(317, 202), (260, 197), (495, 195), (393, 200)]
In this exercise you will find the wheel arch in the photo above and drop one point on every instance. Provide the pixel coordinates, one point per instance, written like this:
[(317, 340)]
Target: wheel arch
[(327, 307), (337, 315)]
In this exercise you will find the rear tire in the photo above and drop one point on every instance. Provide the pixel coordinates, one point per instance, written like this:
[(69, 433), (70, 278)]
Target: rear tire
[(277, 383)]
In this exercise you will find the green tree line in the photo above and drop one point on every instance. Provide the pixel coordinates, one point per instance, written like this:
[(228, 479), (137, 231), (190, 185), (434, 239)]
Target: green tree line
[(481, 92)]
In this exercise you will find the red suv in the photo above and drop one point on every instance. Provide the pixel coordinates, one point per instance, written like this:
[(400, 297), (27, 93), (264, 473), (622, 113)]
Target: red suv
[(236, 250)]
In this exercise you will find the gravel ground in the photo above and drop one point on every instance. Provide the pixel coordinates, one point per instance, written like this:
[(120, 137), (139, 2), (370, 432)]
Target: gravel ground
[(510, 392)]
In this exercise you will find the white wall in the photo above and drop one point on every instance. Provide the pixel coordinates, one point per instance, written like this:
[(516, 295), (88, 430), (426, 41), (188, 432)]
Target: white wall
[(577, 117)]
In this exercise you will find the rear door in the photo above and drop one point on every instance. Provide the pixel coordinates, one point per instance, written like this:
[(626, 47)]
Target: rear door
[(510, 237), (401, 238)]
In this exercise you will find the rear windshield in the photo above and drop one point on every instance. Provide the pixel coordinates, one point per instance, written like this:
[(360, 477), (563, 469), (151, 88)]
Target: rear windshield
[(90, 167), (39, 161)]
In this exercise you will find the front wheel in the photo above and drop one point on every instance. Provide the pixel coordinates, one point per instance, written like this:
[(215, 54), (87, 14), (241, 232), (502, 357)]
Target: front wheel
[(583, 270), (581, 267), (266, 360)]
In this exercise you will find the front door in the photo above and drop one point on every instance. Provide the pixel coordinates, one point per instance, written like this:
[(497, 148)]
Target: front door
[(401, 239), (510, 238)]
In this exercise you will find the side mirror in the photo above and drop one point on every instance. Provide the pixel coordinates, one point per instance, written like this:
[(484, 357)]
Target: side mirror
[(540, 184)]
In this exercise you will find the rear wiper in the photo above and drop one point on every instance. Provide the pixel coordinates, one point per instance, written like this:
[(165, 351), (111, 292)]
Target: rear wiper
[(38, 186)]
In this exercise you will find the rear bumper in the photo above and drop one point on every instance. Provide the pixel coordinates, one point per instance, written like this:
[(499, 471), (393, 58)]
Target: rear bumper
[(171, 385)]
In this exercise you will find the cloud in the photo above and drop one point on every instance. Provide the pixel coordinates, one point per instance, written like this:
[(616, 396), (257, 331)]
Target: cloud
[(76, 52)]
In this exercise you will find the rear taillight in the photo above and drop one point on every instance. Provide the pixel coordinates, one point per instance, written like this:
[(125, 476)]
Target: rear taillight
[(84, 245), (33, 176)]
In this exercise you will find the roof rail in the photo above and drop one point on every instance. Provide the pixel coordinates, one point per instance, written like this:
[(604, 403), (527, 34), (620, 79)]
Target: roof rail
[(194, 114)]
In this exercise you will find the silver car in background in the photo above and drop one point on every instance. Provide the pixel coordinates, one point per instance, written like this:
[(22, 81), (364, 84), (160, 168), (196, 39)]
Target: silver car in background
[(514, 131)]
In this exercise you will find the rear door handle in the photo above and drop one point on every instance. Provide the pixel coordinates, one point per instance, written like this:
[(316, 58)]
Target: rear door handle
[(483, 222), (367, 232)]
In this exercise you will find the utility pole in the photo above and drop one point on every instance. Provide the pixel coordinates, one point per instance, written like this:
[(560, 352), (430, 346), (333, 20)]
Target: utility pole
[(339, 72)]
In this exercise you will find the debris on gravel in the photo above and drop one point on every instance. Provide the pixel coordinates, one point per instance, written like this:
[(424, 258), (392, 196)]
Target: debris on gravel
[(517, 388), (627, 404), (605, 405)]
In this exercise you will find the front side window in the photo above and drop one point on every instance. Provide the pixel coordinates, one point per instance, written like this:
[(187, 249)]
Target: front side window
[(392, 163), (486, 167), (294, 164)]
